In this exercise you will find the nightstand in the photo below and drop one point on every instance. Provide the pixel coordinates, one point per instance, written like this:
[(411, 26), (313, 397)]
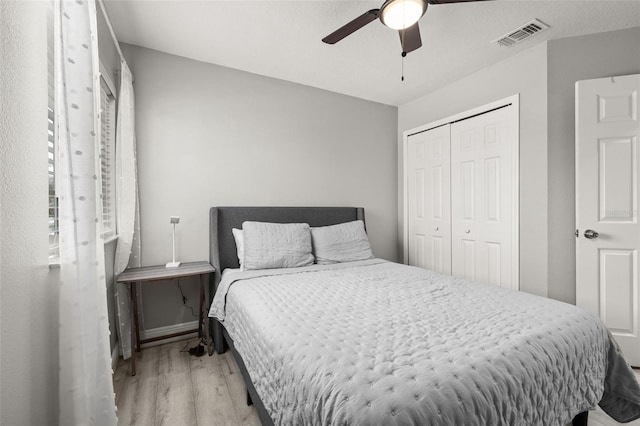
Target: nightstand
[(161, 273)]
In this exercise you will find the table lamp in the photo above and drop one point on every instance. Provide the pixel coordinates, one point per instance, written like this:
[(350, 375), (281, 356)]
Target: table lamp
[(173, 220)]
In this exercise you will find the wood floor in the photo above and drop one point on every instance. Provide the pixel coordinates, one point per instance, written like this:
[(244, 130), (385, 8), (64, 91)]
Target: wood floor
[(177, 389), (174, 388)]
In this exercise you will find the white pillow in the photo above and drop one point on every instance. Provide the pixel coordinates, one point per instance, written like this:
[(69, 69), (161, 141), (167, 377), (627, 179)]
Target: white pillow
[(345, 242), (276, 245), (237, 235)]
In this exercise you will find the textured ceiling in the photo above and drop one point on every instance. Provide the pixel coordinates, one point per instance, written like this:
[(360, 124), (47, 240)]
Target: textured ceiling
[(281, 39)]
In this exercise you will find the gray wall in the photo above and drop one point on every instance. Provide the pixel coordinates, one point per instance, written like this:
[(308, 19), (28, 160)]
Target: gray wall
[(210, 136), (570, 60), (526, 74), (28, 289)]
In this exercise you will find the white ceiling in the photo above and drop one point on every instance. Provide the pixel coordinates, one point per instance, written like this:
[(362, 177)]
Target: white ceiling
[(282, 39)]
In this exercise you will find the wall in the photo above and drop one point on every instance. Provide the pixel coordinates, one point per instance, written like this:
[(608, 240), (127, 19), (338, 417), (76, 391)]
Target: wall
[(525, 74), (570, 60), (213, 136), (28, 289)]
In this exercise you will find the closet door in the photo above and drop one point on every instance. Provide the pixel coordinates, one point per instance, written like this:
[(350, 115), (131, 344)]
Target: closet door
[(607, 194), (483, 187), (428, 191)]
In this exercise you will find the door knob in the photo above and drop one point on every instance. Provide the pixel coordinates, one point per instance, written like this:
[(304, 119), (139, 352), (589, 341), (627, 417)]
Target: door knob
[(467, 231), (436, 228), (590, 234)]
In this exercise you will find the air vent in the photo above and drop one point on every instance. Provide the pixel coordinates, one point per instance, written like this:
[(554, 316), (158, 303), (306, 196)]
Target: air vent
[(522, 33)]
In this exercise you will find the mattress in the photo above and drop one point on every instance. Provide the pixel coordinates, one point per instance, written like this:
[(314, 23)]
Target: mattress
[(374, 342)]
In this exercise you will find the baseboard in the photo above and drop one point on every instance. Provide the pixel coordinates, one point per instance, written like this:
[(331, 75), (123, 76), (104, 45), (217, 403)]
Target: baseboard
[(115, 357), (169, 329)]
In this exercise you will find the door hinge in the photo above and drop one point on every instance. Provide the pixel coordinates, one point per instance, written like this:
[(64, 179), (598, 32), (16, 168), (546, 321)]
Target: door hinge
[(577, 233)]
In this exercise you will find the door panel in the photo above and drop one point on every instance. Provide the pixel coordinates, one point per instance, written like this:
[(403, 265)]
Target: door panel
[(482, 169), (468, 190), (419, 193), (607, 132), (420, 251), (492, 189), (618, 107), (494, 258), (468, 260), (436, 192), (437, 254), (618, 269), (617, 179), (429, 205)]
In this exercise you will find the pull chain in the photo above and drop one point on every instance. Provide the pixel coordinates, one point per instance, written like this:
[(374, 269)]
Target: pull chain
[(403, 55)]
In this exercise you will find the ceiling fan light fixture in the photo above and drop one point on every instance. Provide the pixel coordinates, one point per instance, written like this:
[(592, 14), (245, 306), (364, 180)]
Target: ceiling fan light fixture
[(401, 14)]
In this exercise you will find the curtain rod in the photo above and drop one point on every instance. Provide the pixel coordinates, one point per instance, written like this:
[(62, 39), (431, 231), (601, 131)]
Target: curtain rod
[(113, 34)]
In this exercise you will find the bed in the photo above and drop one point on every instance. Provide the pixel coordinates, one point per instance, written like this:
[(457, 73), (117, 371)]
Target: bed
[(374, 342)]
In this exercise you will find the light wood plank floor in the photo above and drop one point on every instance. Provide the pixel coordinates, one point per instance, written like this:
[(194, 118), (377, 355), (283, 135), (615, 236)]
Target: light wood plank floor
[(175, 388)]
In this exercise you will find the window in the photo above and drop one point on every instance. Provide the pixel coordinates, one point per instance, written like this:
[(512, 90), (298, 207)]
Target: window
[(107, 156), (107, 151)]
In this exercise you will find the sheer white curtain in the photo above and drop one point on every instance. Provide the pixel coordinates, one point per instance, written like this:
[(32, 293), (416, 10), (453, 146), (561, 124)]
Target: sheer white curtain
[(86, 390), (127, 212)]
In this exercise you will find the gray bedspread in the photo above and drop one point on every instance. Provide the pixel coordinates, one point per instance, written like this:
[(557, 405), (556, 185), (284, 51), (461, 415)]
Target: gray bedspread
[(374, 342)]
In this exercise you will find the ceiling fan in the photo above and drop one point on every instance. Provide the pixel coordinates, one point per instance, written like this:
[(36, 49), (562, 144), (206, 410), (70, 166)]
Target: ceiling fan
[(401, 15)]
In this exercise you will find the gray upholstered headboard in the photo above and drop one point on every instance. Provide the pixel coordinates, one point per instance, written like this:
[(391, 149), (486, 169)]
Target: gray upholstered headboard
[(222, 246)]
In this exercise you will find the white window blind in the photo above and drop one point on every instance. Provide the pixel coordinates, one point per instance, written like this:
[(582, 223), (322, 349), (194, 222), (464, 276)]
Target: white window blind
[(107, 156), (54, 248)]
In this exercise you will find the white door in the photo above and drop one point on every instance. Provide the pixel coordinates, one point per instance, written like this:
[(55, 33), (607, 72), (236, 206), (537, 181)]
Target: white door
[(428, 200), (483, 218), (607, 194)]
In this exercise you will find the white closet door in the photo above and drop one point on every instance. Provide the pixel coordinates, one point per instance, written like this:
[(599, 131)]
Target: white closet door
[(429, 218), (483, 187), (607, 193)]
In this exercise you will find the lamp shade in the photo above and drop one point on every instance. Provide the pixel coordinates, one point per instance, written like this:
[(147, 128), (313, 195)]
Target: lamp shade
[(401, 14)]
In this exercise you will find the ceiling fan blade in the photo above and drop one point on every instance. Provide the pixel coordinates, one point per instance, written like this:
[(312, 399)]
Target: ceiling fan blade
[(410, 38), (451, 1), (352, 26)]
